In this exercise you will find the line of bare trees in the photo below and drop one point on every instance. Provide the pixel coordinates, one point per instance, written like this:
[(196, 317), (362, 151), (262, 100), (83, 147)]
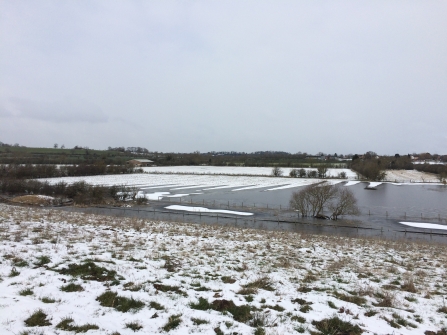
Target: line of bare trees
[(320, 172), (315, 199)]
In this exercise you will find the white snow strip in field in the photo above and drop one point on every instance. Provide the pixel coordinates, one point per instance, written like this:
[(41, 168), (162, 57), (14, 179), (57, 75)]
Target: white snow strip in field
[(152, 196), (304, 182), (185, 187), (205, 210), (374, 184), (424, 225), (283, 187), (178, 195), (146, 187), (220, 187), (251, 187), (352, 182)]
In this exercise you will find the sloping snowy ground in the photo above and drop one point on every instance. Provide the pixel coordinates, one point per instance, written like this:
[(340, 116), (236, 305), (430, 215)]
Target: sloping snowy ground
[(274, 282), (238, 170)]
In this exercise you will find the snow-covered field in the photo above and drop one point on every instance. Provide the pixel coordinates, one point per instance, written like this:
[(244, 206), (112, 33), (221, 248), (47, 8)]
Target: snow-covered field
[(193, 181), (237, 170), (410, 176), (72, 272)]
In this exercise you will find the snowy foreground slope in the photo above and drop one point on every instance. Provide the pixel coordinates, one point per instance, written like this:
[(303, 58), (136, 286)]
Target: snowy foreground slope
[(62, 273)]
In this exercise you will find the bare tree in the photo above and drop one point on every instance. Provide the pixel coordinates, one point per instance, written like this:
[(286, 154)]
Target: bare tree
[(344, 203), (322, 171), (300, 202), (342, 175), (277, 172), (311, 200), (293, 173), (314, 199)]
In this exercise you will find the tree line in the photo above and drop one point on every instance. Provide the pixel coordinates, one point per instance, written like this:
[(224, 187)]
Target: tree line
[(320, 172), (18, 179), (20, 171), (374, 167), (80, 192)]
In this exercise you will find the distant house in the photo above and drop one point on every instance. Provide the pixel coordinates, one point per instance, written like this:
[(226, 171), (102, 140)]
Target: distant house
[(140, 162), (315, 157)]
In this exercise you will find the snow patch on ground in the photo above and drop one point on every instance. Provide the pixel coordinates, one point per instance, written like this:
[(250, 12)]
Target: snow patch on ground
[(425, 225), (205, 210), (352, 182)]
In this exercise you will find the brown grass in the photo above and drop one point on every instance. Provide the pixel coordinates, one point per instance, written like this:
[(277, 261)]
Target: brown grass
[(31, 200)]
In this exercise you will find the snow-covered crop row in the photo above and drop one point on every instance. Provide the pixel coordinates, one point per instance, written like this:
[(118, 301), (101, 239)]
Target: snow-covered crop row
[(180, 181)]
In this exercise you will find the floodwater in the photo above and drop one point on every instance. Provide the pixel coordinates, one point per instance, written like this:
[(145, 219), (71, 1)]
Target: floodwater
[(381, 211), (395, 201)]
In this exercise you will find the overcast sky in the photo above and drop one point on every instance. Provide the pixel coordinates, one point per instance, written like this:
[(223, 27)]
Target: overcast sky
[(331, 76)]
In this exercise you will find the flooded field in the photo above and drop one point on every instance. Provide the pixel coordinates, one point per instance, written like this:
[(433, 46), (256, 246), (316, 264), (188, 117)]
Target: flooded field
[(382, 208), (428, 202)]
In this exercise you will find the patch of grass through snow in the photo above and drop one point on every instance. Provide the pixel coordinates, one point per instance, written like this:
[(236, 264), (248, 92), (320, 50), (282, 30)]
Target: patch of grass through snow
[(66, 324), (37, 319), (173, 322), (121, 304)]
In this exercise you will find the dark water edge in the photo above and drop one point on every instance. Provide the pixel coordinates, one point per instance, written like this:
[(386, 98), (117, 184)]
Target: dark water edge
[(275, 220)]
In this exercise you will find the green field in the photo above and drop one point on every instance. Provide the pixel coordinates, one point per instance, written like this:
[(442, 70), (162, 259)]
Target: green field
[(24, 155)]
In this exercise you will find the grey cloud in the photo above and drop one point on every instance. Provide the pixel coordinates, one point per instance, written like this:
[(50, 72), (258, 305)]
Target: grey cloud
[(68, 110), (343, 76)]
